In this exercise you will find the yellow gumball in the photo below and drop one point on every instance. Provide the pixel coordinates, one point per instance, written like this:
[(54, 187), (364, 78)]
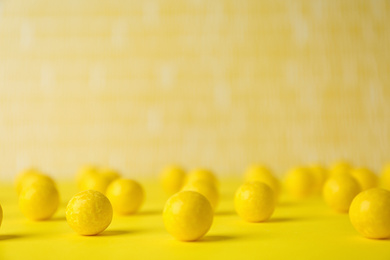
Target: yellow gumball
[(126, 196), (340, 168), (109, 174), (172, 179), (84, 173), (339, 191), (300, 183), (188, 215), (204, 175), (370, 213), (39, 201), (366, 178), (30, 176), (89, 212), (254, 202), (208, 190), (385, 177), (263, 174)]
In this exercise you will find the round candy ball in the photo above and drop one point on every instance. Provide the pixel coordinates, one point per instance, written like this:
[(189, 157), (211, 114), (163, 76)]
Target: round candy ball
[(89, 212), (300, 183), (204, 175), (126, 196), (263, 174), (31, 176), (172, 179), (254, 202), (339, 191), (188, 215), (207, 189), (366, 178), (370, 213), (39, 201)]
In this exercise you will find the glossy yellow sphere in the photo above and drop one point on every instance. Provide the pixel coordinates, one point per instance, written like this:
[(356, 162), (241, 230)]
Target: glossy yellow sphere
[(207, 189), (39, 201), (188, 215), (300, 183), (366, 178), (89, 212), (204, 175), (254, 201), (339, 191), (126, 196), (172, 179), (263, 174), (370, 213)]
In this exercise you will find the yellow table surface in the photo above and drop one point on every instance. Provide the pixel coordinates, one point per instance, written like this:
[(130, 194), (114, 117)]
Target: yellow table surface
[(298, 230)]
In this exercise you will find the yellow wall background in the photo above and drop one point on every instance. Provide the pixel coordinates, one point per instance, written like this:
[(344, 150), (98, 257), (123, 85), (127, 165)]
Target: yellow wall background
[(220, 84)]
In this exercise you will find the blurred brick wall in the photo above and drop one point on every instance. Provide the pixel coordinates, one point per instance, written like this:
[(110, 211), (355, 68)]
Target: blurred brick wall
[(220, 84)]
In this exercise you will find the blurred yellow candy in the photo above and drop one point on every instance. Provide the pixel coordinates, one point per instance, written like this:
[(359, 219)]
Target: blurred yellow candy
[(320, 174), (89, 212), (39, 201), (172, 179), (30, 176), (204, 175), (263, 174), (385, 177), (188, 215), (254, 201), (300, 183), (93, 178), (339, 191), (370, 213), (126, 196), (207, 189), (340, 168), (366, 178), (83, 173)]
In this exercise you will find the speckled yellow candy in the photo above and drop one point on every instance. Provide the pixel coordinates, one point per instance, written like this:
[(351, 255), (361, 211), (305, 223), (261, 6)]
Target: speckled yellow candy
[(370, 213), (300, 183), (89, 212), (207, 189), (203, 175), (126, 196), (254, 202), (39, 201), (188, 215), (172, 179), (339, 191), (263, 174), (366, 178)]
